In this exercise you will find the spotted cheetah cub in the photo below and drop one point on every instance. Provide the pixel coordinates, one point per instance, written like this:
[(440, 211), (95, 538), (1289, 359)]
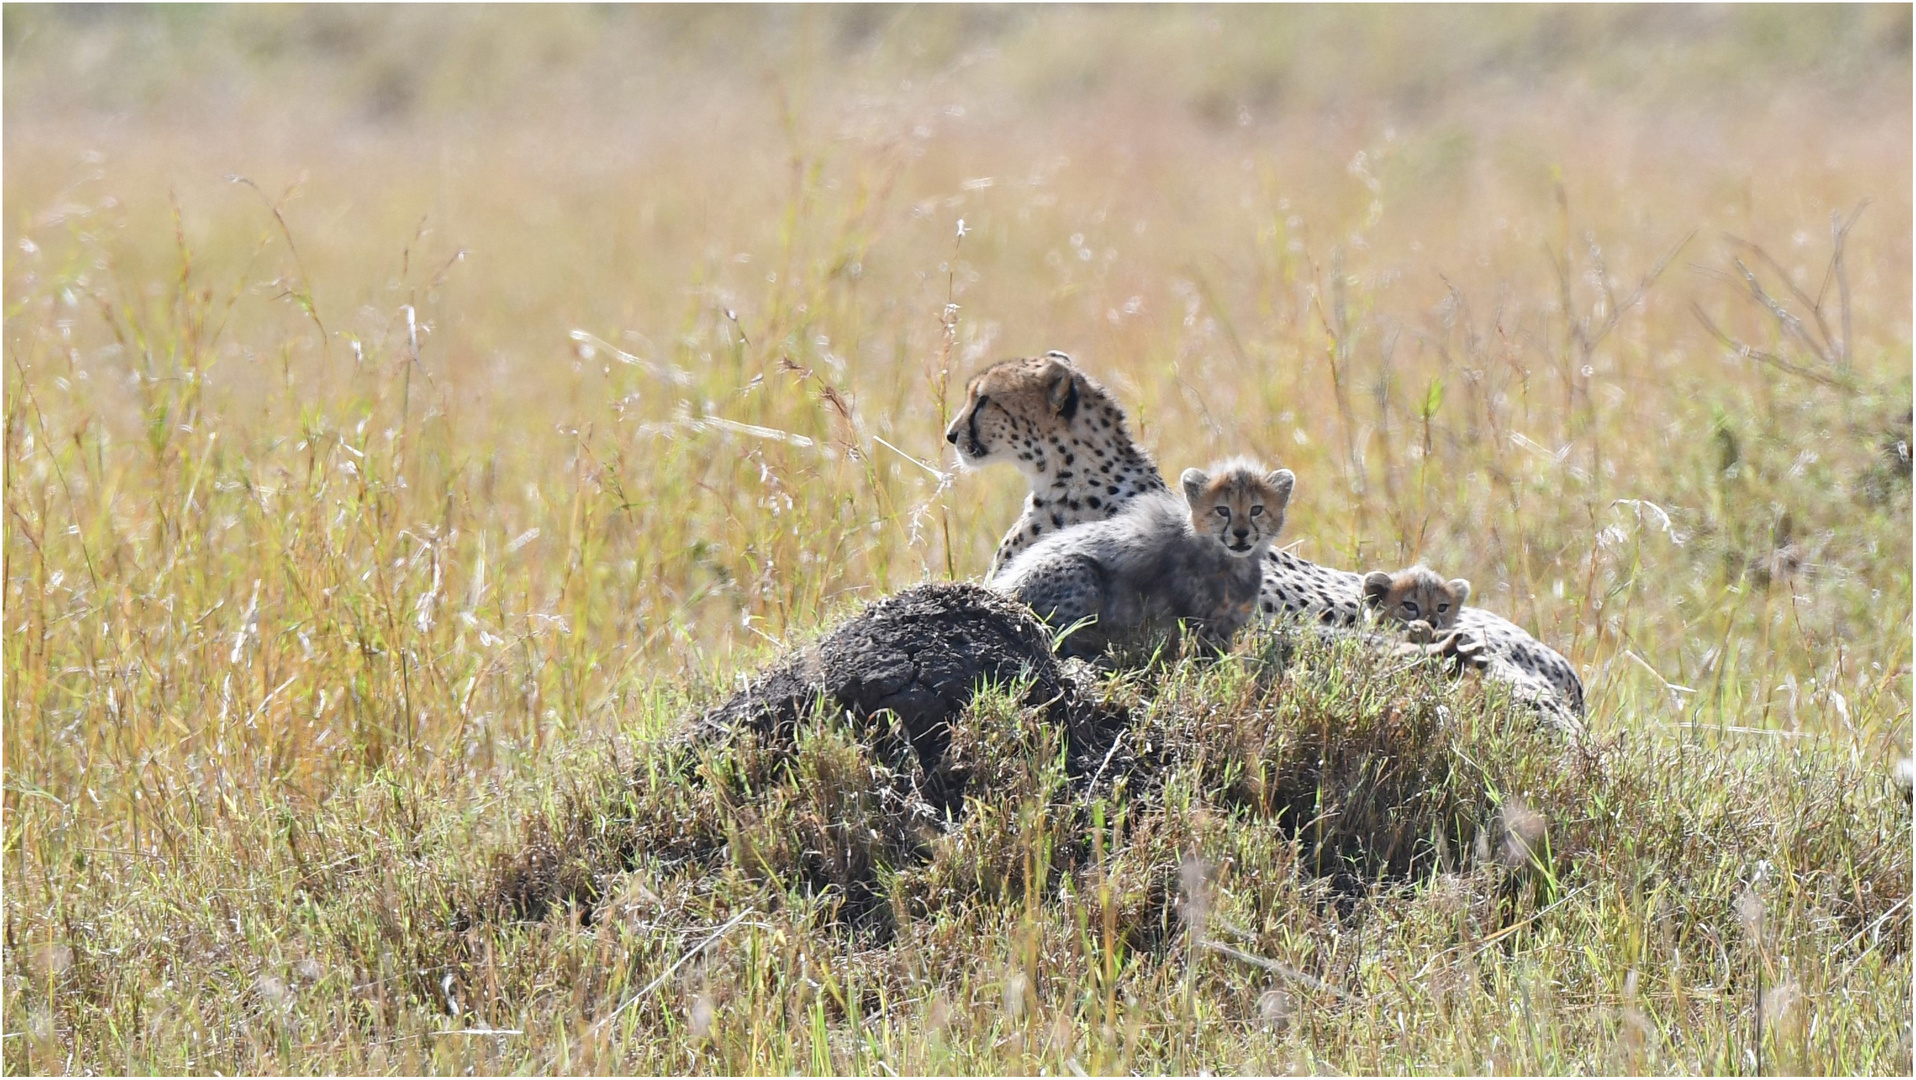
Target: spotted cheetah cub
[(1419, 600), (1159, 562)]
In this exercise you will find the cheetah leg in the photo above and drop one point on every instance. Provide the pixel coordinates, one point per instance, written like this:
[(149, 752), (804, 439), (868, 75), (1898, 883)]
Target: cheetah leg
[(1008, 549)]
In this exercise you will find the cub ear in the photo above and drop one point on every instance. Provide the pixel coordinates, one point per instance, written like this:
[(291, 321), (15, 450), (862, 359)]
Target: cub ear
[(1460, 589), (1193, 482), (1376, 585), (1060, 387), (1282, 481)]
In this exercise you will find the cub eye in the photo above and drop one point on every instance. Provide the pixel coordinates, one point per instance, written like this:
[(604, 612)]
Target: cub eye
[(1443, 606), (1257, 511), (1222, 511), (1410, 608)]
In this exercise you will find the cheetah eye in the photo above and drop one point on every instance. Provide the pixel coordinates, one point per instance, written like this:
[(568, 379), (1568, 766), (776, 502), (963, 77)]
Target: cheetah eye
[(1257, 511), (1443, 607), (1221, 511), (1410, 608)]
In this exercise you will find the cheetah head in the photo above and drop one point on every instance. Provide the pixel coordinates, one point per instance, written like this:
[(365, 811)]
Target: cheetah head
[(1417, 598), (1015, 410), (1238, 503)]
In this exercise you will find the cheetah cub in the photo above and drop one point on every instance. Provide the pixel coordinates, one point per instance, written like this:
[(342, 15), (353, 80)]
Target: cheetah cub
[(1160, 561), (1419, 600)]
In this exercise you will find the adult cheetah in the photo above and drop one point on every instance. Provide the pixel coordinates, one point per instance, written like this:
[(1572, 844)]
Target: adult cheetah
[(1072, 441)]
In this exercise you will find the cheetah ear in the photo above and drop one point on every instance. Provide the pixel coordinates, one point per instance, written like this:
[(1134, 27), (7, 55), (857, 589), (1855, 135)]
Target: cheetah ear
[(1193, 481), (1376, 585), (1060, 387), (1282, 481), (1460, 589)]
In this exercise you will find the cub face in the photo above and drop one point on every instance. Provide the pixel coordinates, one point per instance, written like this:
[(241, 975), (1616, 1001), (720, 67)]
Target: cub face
[(1238, 504), (1011, 405), (1417, 598)]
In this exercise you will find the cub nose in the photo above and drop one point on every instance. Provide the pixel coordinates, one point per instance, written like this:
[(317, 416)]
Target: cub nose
[(952, 436), (1241, 533)]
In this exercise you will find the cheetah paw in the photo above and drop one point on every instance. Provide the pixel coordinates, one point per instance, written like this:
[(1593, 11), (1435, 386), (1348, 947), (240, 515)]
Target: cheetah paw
[(1469, 651)]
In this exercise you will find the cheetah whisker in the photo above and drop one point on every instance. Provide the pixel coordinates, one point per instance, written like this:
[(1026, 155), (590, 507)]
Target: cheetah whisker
[(944, 478)]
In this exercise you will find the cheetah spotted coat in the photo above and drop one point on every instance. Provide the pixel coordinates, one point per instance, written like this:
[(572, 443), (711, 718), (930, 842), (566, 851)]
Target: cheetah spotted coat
[(1072, 441)]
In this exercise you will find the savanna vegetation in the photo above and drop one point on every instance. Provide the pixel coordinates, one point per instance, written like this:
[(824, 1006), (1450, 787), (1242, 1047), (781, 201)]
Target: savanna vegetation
[(412, 414)]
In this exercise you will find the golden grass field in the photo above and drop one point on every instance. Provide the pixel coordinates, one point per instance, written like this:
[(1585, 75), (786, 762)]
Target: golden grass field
[(410, 412)]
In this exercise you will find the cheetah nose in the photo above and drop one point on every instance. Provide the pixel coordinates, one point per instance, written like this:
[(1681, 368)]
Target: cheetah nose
[(952, 436), (1241, 533)]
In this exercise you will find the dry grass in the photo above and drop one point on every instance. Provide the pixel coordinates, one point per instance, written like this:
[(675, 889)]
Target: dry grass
[(547, 370)]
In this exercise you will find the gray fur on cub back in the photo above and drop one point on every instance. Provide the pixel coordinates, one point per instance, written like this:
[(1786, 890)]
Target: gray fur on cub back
[(1158, 562)]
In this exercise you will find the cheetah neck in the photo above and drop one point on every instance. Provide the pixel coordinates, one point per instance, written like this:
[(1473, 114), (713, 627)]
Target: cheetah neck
[(1075, 480), (1089, 483)]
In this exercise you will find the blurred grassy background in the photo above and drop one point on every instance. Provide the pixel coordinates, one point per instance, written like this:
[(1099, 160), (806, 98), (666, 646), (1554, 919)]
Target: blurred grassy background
[(1291, 231), (552, 363)]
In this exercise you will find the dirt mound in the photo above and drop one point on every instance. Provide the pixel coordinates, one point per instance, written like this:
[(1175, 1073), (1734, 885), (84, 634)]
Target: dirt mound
[(906, 668), (836, 760), (926, 724), (920, 654), (931, 748)]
